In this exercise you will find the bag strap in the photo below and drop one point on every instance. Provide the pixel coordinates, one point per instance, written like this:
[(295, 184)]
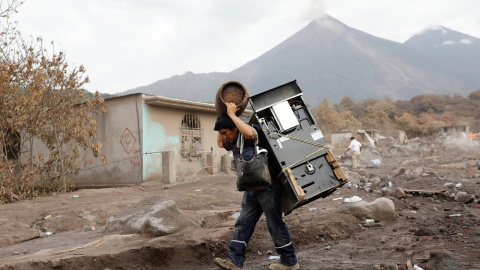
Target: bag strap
[(240, 142)]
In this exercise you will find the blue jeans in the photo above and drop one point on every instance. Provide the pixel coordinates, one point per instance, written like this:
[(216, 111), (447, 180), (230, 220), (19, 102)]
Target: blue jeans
[(254, 203)]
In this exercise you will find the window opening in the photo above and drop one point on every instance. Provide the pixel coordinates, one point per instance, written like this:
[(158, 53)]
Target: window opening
[(192, 137)]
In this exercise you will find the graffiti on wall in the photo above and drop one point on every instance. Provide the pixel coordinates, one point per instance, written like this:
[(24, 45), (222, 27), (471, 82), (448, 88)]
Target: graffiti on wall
[(135, 160), (128, 142)]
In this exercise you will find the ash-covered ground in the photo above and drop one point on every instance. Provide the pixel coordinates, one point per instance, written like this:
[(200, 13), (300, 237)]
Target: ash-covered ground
[(419, 208)]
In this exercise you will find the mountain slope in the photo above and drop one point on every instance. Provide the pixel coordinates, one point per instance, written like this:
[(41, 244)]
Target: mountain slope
[(458, 54), (190, 86), (331, 60)]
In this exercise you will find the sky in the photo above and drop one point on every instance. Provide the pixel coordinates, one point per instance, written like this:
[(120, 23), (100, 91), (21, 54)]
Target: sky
[(124, 44)]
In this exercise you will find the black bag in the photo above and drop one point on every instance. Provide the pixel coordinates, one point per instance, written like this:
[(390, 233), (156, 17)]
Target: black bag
[(252, 174)]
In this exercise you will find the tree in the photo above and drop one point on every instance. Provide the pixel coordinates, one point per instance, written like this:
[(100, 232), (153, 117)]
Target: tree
[(349, 122), (372, 118), (428, 103), (408, 123), (386, 107), (46, 132), (329, 120), (475, 96), (418, 126), (347, 104)]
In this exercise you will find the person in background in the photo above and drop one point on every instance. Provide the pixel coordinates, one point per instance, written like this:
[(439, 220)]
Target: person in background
[(254, 203), (356, 148)]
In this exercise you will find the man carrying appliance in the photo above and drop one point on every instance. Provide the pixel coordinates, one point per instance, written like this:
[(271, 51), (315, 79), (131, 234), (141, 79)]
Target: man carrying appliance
[(255, 202)]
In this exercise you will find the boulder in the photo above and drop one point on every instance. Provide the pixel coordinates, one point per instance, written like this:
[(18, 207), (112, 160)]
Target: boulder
[(382, 209), (155, 216), (443, 260), (464, 197), (354, 177)]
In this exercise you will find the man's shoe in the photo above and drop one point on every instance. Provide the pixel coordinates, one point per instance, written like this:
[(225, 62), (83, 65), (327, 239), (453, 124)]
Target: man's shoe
[(227, 264), (279, 266)]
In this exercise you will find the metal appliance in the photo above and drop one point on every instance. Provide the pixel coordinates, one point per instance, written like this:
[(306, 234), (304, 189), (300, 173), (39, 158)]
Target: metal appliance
[(298, 152)]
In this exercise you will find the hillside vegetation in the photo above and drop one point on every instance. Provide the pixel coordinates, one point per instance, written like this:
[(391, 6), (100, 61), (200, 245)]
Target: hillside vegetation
[(420, 116)]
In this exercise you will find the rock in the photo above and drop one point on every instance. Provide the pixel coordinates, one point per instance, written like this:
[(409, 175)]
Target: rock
[(375, 180), (88, 228), (399, 193), (354, 177), (424, 232), (364, 173), (464, 197), (382, 209), (386, 192), (156, 216), (431, 173), (400, 171), (443, 260), (418, 170)]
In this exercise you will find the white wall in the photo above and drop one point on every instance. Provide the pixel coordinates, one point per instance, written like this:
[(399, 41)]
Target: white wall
[(162, 133)]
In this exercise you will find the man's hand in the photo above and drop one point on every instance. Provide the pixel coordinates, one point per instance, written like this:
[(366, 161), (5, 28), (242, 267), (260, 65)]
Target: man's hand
[(243, 127), (231, 108)]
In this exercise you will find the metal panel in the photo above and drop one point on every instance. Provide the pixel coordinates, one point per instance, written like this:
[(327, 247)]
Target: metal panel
[(284, 116), (298, 154), (275, 95)]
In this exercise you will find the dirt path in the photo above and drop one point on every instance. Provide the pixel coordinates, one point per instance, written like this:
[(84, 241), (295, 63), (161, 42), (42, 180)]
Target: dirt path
[(324, 238)]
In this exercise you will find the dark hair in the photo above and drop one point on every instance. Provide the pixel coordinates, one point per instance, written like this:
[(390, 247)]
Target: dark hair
[(352, 138), (224, 121)]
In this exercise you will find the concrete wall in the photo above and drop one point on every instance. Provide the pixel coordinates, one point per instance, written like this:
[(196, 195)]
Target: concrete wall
[(162, 133), (134, 135), (340, 140), (120, 133), (455, 130)]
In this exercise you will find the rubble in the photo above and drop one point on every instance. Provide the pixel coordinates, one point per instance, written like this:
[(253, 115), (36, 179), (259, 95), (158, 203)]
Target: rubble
[(419, 209)]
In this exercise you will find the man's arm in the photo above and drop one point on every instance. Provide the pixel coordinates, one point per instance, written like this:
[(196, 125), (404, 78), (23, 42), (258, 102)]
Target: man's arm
[(243, 127)]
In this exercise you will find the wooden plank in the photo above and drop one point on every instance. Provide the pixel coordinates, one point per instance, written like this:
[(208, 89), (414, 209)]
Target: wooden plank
[(298, 189), (330, 157), (339, 174), (336, 167)]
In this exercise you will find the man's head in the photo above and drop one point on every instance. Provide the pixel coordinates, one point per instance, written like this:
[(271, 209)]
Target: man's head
[(229, 133), (226, 127), (352, 138)]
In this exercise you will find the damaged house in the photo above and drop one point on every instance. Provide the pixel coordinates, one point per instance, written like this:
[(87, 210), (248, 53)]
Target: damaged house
[(139, 130)]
